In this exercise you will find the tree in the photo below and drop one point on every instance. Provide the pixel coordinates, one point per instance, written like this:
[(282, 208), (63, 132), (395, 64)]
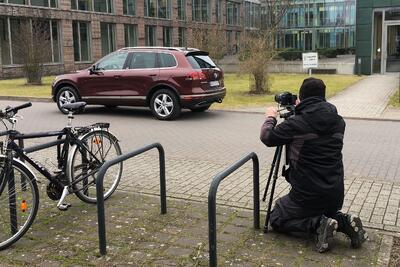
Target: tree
[(211, 39), (33, 47), (258, 47)]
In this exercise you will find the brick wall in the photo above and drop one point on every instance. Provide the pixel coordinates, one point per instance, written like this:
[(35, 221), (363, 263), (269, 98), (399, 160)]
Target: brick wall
[(66, 16)]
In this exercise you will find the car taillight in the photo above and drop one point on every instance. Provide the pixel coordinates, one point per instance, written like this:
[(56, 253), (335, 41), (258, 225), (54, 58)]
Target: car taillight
[(196, 76)]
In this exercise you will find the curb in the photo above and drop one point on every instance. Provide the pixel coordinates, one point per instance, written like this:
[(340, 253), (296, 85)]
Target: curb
[(345, 117), (385, 251), (26, 98), (49, 100)]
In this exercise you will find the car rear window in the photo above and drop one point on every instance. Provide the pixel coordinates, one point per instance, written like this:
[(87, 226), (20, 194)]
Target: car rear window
[(167, 60), (200, 62), (143, 60)]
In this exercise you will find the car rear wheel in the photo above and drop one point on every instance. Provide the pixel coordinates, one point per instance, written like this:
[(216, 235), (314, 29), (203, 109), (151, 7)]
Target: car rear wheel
[(66, 95), (202, 109), (165, 105)]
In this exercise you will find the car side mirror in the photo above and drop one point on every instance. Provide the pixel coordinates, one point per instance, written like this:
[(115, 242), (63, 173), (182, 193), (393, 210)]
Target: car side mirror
[(93, 70)]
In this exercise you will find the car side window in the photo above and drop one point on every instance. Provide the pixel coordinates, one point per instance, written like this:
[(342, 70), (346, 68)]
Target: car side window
[(166, 60), (142, 60), (114, 61)]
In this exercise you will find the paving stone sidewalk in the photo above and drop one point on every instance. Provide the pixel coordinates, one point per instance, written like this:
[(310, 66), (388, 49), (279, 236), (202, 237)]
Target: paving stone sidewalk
[(138, 235), (376, 202)]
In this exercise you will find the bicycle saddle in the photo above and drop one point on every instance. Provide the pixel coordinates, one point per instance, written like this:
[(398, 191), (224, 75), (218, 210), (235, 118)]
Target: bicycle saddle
[(74, 106)]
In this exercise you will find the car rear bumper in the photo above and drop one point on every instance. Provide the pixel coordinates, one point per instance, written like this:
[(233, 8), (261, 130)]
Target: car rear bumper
[(203, 99)]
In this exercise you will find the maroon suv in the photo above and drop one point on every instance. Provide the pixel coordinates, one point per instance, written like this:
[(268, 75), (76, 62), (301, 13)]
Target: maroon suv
[(165, 79)]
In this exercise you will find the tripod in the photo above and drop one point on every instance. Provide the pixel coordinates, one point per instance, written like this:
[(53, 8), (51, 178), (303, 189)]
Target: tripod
[(273, 174)]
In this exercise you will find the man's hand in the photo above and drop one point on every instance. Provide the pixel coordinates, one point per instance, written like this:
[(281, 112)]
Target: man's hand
[(271, 112)]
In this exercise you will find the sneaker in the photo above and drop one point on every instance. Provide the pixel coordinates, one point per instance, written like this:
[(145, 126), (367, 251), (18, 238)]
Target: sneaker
[(352, 227), (325, 232)]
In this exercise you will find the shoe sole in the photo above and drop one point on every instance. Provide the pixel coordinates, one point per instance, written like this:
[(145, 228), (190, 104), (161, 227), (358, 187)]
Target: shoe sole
[(360, 235), (328, 236)]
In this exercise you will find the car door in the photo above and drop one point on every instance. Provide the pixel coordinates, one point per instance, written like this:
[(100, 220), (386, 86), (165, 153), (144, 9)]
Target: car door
[(141, 75), (106, 82)]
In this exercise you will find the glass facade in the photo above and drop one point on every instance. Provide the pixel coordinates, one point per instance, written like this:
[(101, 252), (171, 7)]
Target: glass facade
[(318, 24)]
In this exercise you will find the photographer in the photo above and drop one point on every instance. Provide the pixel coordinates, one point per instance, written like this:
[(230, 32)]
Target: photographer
[(314, 136)]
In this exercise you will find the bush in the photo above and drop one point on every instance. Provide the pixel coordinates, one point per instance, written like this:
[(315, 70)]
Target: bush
[(328, 52), (291, 55)]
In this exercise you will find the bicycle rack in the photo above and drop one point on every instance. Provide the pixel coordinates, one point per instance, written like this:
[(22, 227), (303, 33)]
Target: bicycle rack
[(99, 188), (212, 225)]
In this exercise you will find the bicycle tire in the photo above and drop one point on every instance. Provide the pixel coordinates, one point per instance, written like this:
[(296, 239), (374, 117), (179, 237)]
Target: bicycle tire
[(77, 167), (28, 207)]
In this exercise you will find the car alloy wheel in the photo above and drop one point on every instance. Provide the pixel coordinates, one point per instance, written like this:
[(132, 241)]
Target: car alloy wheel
[(66, 95), (163, 105)]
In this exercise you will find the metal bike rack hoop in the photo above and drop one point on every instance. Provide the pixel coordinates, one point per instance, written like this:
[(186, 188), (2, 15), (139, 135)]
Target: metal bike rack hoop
[(212, 195), (99, 188)]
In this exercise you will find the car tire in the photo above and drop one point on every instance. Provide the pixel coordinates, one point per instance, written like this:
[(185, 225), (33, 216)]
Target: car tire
[(202, 109), (165, 105), (66, 94)]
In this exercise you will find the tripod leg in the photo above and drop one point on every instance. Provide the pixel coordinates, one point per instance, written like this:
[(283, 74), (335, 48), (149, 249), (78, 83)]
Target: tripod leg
[(279, 149), (270, 175)]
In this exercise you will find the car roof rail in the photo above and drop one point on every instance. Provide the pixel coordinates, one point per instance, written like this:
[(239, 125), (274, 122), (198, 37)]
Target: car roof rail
[(162, 48)]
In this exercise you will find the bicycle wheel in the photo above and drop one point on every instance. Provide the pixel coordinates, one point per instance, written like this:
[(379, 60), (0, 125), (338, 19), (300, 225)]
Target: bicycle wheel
[(83, 165), (19, 202)]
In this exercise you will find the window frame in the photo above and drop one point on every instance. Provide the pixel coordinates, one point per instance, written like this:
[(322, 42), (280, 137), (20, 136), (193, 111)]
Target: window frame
[(157, 11), (89, 31), (110, 7), (29, 20), (28, 3)]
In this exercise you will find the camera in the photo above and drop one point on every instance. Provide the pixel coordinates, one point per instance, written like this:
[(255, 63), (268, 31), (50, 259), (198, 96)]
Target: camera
[(286, 99)]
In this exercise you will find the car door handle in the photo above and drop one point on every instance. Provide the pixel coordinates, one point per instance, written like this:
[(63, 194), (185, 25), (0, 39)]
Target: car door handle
[(117, 76), (153, 75)]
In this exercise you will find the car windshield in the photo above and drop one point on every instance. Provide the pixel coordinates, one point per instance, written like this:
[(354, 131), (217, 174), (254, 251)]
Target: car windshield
[(200, 62)]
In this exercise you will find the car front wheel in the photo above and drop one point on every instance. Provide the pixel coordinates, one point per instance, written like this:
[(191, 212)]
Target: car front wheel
[(165, 105), (66, 95)]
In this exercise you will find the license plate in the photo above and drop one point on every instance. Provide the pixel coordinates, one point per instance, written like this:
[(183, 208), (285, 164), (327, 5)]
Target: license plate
[(214, 83)]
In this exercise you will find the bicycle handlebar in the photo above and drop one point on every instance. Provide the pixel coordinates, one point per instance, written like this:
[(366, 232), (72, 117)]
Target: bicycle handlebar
[(11, 111)]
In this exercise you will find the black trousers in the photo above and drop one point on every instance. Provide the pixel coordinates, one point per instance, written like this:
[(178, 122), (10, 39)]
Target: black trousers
[(289, 217)]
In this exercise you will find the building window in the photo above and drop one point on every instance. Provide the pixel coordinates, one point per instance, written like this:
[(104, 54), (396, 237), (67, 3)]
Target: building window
[(10, 39), (182, 37), (167, 36), (44, 3), (129, 7), (201, 10), (232, 13), (218, 10), (181, 9), (130, 35), (252, 15), (104, 6), (107, 32), (150, 35), (81, 37), (157, 8)]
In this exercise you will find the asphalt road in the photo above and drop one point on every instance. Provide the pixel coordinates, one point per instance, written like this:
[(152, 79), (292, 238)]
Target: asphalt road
[(372, 148)]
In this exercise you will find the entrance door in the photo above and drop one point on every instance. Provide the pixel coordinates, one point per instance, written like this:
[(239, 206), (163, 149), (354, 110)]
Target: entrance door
[(393, 48)]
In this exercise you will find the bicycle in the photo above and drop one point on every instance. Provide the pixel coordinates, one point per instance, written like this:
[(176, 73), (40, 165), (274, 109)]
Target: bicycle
[(81, 151)]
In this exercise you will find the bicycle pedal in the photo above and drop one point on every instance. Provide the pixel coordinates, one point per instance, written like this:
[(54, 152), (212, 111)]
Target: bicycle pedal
[(64, 207)]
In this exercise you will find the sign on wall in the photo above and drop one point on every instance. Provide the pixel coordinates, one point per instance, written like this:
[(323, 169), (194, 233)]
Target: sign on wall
[(310, 60)]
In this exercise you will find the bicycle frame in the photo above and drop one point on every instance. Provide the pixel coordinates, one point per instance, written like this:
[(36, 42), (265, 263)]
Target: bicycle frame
[(65, 138)]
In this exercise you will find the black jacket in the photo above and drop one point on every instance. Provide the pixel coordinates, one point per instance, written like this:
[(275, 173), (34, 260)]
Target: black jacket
[(315, 139)]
